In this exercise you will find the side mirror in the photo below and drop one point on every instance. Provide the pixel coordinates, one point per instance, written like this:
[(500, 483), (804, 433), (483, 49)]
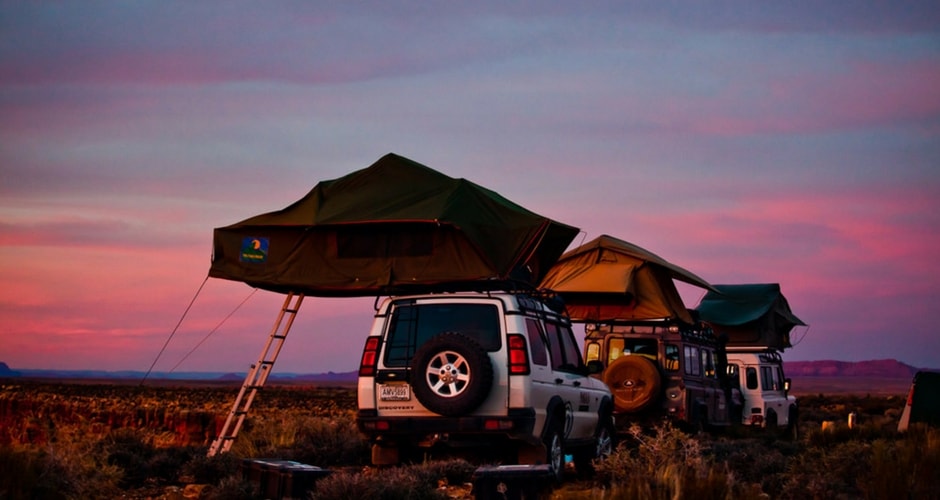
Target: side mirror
[(595, 366), (786, 385)]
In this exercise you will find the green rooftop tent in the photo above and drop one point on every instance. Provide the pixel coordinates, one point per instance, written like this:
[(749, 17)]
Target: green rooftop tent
[(610, 280), (392, 227), (751, 315)]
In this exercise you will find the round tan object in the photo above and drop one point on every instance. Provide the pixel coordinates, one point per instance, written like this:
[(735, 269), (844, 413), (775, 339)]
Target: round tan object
[(634, 382)]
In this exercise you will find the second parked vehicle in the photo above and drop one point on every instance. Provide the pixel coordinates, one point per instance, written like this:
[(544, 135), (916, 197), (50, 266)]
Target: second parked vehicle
[(660, 370)]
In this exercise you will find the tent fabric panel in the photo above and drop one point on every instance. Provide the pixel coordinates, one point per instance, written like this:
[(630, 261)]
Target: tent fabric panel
[(592, 272), (629, 249), (740, 304), (499, 237), (608, 279), (309, 261), (749, 315)]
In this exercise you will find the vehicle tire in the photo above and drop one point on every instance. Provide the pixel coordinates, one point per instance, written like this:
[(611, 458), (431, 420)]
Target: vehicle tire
[(770, 421), (555, 449), (603, 446), (634, 381), (701, 423), (793, 425), (451, 374)]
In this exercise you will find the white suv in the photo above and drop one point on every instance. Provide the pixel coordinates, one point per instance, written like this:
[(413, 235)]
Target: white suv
[(499, 372), (765, 390)]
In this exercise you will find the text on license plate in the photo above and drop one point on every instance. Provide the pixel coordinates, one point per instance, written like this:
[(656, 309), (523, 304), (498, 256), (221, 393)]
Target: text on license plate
[(395, 392)]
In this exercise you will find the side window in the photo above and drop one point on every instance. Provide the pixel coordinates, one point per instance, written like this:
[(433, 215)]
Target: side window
[(593, 352), (693, 363), (554, 346), (672, 358), (614, 348), (751, 375), (539, 356), (767, 378), (733, 375), (708, 363), (566, 356)]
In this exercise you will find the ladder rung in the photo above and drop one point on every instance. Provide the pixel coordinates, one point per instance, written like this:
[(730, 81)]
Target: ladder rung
[(292, 311), (282, 336), (267, 362)]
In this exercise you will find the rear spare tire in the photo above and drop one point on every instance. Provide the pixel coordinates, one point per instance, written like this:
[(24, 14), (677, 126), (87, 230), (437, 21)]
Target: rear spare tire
[(634, 382), (451, 374)]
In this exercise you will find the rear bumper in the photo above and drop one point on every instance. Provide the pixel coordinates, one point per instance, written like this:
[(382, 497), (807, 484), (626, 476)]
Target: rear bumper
[(517, 424)]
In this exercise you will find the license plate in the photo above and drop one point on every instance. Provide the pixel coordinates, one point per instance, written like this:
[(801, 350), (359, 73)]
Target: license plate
[(395, 392)]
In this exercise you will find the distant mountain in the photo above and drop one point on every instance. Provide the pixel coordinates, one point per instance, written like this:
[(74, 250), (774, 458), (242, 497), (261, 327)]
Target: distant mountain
[(328, 377), (5, 371), (885, 368)]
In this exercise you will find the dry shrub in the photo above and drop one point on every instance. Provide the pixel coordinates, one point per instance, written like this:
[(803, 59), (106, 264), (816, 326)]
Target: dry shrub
[(665, 464), (202, 469), (414, 482), (906, 465), (312, 440), (758, 462), (68, 469), (830, 471)]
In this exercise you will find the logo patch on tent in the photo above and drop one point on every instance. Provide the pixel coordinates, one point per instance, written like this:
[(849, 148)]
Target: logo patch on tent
[(254, 250)]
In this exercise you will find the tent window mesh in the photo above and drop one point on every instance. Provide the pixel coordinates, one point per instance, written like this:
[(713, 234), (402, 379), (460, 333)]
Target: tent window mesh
[(398, 240)]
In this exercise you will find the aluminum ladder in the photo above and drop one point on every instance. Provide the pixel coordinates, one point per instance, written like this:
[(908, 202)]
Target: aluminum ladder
[(257, 375)]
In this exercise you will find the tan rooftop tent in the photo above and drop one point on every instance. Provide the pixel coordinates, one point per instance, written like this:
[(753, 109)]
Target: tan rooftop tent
[(608, 279), (392, 227)]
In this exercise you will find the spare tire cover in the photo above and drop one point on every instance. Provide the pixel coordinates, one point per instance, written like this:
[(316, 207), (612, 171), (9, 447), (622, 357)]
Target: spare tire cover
[(634, 382), (451, 374)]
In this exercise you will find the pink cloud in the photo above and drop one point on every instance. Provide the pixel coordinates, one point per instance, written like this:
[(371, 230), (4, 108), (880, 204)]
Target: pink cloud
[(860, 94)]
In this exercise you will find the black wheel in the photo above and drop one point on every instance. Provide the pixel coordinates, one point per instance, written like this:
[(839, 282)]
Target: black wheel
[(451, 374), (603, 447), (793, 425), (770, 422), (555, 449), (701, 424)]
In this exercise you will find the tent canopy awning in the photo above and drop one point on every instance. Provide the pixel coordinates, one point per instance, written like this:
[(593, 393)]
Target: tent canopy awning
[(608, 279), (394, 226), (754, 314)]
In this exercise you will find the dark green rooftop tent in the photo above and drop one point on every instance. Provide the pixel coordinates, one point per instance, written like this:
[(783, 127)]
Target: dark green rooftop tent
[(751, 315), (394, 227)]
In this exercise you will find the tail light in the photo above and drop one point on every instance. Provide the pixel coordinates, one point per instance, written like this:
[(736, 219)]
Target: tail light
[(518, 355), (370, 356)]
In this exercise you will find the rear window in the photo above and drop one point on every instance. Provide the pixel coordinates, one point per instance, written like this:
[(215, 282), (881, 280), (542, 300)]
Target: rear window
[(414, 324)]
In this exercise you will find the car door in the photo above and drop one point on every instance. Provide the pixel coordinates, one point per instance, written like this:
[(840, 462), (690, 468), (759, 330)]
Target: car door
[(577, 389)]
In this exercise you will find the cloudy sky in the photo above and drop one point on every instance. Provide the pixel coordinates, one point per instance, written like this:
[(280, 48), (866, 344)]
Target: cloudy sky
[(787, 142)]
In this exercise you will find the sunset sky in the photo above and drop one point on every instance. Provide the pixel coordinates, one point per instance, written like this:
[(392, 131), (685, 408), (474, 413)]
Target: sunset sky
[(788, 142)]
